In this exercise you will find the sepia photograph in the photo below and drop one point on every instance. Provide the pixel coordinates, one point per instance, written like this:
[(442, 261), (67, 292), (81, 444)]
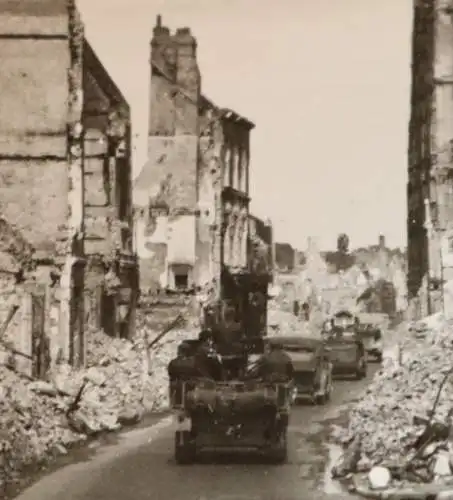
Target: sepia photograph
[(226, 251)]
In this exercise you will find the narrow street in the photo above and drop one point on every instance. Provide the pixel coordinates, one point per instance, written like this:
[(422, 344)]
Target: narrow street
[(141, 465)]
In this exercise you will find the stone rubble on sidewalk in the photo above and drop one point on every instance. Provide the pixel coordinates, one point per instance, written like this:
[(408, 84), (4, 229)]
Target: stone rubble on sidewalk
[(122, 380), (402, 427)]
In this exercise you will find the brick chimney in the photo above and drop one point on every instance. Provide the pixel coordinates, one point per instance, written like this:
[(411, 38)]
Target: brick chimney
[(188, 80), (163, 50), (381, 241)]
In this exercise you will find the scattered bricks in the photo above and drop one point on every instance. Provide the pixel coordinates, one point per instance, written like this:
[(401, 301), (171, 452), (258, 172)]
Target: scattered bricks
[(405, 415)]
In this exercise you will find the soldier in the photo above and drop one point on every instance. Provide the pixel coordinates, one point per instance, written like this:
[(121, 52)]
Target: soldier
[(276, 365), (182, 367), (207, 360)]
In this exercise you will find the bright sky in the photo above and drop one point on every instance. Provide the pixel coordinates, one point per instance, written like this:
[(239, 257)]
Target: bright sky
[(326, 82)]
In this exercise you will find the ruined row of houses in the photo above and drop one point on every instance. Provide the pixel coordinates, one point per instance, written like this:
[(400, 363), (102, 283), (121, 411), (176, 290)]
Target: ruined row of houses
[(74, 250), (193, 227)]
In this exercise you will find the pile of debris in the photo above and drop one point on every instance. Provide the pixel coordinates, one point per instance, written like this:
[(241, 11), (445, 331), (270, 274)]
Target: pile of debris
[(122, 380), (400, 430), (281, 322)]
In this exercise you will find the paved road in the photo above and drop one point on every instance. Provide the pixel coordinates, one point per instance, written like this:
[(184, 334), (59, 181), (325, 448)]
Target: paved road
[(139, 466)]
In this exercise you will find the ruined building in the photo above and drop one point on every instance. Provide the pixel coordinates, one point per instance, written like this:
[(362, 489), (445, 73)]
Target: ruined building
[(261, 259), (112, 280), (64, 175), (430, 179), (198, 158), (192, 196)]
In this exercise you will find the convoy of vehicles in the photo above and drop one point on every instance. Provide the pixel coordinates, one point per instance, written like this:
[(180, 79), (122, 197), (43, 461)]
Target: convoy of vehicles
[(348, 352), (312, 367), (371, 328), (242, 411)]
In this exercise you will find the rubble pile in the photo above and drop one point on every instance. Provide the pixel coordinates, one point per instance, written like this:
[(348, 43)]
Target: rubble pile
[(122, 380), (403, 420), (281, 322), (33, 424)]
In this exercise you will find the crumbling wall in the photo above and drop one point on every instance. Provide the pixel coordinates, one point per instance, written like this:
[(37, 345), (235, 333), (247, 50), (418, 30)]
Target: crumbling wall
[(209, 203), (41, 171), (167, 191), (167, 184), (33, 119), (96, 193)]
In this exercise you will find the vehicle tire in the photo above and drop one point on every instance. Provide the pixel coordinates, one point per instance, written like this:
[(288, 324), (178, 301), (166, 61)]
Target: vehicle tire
[(329, 388), (361, 370), (184, 448), (322, 398), (279, 452)]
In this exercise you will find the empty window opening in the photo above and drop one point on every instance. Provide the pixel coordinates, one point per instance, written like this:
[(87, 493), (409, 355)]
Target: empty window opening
[(182, 281)]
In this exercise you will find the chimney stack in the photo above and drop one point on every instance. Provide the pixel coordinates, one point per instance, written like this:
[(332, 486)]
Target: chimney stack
[(163, 50), (189, 80), (381, 241)]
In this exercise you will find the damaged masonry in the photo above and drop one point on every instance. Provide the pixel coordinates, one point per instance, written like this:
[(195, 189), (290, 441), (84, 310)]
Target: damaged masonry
[(80, 352)]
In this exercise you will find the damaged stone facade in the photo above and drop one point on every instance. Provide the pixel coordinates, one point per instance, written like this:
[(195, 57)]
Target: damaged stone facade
[(430, 154), (166, 188), (111, 283), (191, 196), (261, 267), (44, 135), (236, 283)]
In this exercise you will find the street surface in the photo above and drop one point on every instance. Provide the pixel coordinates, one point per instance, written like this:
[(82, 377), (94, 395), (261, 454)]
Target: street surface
[(139, 465)]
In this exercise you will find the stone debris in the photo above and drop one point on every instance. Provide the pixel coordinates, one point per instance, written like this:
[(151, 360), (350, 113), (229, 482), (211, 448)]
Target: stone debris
[(281, 322), (403, 420), (121, 382)]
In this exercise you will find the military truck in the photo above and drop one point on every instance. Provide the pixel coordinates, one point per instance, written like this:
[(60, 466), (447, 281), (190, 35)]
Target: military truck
[(239, 414), (235, 412)]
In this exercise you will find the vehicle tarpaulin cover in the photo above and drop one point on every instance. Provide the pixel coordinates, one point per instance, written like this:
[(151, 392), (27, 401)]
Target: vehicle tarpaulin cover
[(227, 400)]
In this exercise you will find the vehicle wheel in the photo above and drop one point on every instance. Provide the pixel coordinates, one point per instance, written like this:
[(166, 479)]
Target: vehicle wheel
[(322, 398), (279, 452), (184, 448), (319, 399), (361, 370), (329, 388)]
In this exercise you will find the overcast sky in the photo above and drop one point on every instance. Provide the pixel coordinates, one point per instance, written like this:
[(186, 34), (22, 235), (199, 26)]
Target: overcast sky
[(326, 82)]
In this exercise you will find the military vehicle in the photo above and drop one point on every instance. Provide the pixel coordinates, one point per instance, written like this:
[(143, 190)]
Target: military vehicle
[(348, 351), (312, 366), (239, 414)]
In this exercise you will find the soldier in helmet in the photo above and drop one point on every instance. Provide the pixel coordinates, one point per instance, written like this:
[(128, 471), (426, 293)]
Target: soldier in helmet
[(207, 359), (275, 365), (182, 367)]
